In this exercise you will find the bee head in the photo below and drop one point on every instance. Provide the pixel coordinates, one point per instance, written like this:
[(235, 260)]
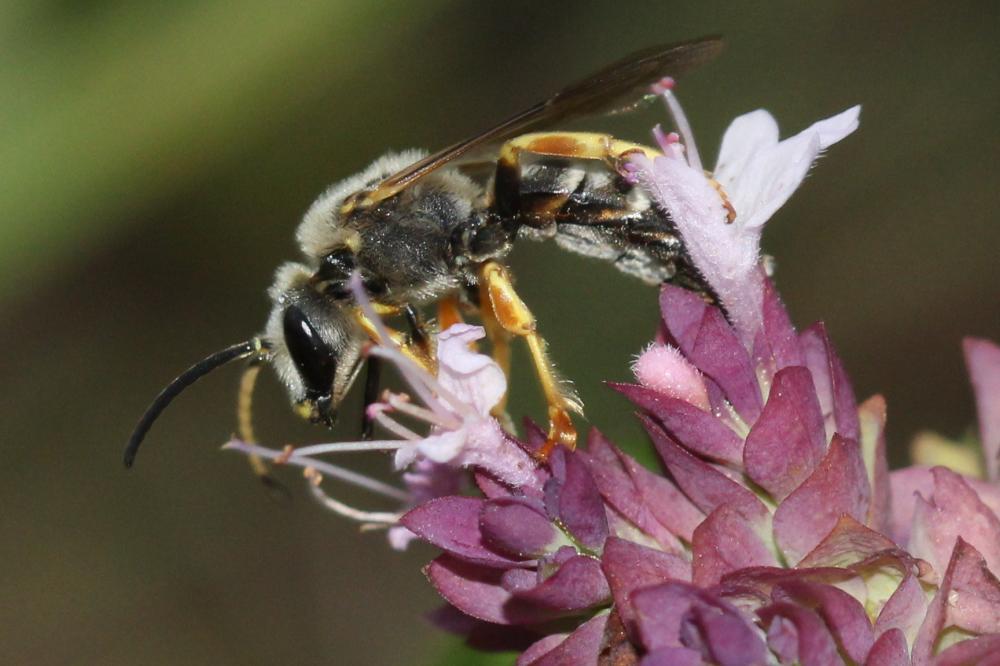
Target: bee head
[(315, 344), (312, 341)]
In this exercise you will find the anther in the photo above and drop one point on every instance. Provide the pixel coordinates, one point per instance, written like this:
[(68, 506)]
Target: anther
[(286, 454), (663, 85), (312, 476), (665, 140)]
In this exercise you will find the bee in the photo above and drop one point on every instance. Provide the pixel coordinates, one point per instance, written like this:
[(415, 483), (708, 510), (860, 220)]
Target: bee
[(437, 228)]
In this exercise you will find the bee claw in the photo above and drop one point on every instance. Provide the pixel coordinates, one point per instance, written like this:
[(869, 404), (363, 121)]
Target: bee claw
[(562, 432)]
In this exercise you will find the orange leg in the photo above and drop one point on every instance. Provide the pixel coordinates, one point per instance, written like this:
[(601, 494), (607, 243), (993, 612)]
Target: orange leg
[(573, 145), (416, 351), (514, 317), (499, 339), (448, 312), (244, 427)]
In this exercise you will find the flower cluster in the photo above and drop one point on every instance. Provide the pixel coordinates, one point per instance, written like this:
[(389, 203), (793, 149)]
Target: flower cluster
[(773, 533)]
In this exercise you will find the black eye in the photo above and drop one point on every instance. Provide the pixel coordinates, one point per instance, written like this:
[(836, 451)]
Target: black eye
[(313, 358)]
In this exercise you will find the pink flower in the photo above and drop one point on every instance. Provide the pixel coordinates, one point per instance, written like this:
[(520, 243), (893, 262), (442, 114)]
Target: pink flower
[(462, 434), (773, 532), (720, 216), (776, 534)]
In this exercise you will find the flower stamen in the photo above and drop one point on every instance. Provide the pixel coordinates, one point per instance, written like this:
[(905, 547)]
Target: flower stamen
[(401, 403), (377, 412), (424, 384), (381, 518), (664, 88), (286, 452), (665, 140), (345, 475), (348, 447), (388, 349)]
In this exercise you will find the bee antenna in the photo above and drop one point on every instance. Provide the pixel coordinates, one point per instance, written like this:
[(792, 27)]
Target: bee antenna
[(188, 377)]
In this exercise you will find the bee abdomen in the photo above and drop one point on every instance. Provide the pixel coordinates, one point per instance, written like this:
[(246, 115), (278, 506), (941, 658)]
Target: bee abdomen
[(590, 210)]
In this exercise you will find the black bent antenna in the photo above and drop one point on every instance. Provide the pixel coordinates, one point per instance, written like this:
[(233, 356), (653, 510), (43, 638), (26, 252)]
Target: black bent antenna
[(188, 377)]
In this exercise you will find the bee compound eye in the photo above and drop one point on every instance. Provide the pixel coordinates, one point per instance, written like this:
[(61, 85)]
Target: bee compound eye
[(314, 359)]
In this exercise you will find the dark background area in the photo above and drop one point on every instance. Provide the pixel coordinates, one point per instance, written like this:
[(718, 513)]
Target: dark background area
[(154, 162)]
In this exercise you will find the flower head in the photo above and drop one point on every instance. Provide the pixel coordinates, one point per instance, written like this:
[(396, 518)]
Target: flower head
[(720, 216), (774, 532), (777, 534)]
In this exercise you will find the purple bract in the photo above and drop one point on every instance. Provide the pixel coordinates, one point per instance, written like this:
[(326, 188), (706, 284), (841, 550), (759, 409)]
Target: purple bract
[(773, 532)]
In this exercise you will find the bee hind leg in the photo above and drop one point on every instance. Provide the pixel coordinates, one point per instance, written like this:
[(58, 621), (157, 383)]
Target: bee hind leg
[(507, 196), (505, 307)]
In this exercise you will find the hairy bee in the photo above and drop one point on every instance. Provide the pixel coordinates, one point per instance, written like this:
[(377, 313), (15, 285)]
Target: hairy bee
[(422, 228)]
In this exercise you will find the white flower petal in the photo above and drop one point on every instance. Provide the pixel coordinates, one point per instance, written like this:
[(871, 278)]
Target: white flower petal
[(771, 178), (746, 136), (697, 210), (835, 128), (405, 455), (725, 254), (473, 376), (444, 446), (453, 347), (759, 174)]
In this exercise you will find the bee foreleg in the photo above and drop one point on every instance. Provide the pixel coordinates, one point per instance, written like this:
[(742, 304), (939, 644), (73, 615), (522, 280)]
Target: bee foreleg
[(244, 428), (510, 312), (417, 352), (418, 329)]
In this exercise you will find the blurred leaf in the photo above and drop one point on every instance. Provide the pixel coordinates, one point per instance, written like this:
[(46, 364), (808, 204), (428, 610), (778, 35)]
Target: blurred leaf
[(103, 113)]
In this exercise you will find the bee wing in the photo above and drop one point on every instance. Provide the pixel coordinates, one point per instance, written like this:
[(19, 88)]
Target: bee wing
[(614, 88)]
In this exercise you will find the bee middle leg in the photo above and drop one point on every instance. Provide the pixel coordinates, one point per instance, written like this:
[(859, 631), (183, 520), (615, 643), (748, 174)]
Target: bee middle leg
[(449, 312), (514, 317), (499, 338)]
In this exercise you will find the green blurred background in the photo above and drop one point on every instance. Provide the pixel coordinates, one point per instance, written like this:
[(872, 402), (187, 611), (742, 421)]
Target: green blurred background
[(154, 160)]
